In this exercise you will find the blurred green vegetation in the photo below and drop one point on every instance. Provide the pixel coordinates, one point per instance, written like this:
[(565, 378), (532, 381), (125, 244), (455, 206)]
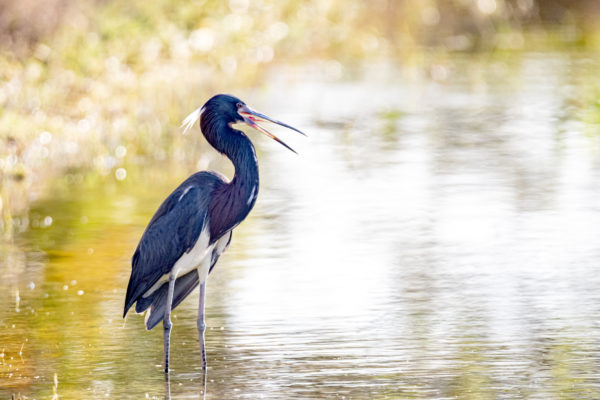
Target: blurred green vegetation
[(95, 84)]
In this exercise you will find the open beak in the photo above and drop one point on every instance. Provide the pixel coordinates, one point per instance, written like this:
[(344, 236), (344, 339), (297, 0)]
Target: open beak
[(251, 118)]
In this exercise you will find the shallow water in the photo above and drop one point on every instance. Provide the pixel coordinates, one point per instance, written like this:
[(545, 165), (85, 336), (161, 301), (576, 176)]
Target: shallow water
[(432, 240)]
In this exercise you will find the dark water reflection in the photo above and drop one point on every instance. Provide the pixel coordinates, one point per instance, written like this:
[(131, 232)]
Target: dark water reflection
[(432, 240)]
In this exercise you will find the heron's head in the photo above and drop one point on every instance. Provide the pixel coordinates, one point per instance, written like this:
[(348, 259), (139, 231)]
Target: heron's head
[(227, 109)]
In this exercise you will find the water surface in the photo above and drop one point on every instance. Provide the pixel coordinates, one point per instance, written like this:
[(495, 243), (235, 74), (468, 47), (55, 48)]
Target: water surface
[(435, 238)]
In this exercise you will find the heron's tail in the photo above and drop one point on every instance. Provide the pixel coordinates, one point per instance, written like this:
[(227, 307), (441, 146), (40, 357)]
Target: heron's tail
[(157, 301)]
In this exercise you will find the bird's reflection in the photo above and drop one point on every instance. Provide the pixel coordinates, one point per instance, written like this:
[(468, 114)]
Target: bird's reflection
[(203, 378), (167, 386)]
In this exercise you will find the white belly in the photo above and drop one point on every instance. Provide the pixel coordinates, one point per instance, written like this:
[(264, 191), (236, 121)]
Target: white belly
[(197, 258)]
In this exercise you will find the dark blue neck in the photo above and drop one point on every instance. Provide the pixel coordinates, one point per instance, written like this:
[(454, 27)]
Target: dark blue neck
[(232, 202)]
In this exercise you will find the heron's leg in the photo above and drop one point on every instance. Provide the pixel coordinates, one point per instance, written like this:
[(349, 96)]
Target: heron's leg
[(201, 324), (167, 318)]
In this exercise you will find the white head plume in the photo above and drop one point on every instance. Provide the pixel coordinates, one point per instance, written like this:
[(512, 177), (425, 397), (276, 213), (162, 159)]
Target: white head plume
[(191, 119)]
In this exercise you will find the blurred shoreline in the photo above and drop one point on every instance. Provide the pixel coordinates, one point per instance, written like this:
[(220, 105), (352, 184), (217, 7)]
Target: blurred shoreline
[(91, 86)]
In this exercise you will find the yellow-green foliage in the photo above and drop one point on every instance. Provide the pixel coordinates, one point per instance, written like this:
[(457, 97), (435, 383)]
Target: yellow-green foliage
[(122, 74)]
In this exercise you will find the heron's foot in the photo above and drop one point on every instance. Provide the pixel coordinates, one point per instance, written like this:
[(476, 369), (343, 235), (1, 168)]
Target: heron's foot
[(203, 388)]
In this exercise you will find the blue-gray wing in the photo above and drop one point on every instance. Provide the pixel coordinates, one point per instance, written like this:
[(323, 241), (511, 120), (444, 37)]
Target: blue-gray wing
[(173, 230)]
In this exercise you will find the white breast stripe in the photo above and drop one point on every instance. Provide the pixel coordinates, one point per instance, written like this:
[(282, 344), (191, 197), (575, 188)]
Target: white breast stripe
[(251, 197), (187, 189), (222, 243)]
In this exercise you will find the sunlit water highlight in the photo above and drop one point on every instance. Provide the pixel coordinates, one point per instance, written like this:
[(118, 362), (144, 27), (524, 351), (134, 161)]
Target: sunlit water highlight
[(432, 240)]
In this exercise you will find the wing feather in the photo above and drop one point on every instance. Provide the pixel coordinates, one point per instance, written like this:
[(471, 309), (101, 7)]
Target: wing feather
[(173, 230)]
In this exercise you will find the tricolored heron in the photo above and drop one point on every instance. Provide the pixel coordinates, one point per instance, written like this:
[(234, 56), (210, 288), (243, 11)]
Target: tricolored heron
[(193, 226)]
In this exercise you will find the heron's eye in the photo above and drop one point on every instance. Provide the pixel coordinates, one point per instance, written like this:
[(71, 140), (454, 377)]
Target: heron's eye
[(239, 105)]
